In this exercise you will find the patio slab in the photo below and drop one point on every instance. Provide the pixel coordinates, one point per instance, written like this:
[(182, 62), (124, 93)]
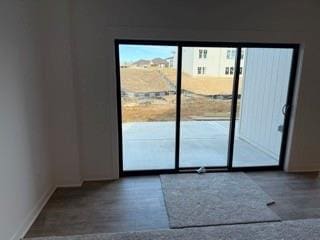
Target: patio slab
[(151, 145)]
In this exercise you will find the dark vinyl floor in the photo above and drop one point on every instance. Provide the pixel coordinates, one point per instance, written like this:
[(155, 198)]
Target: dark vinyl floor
[(136, 203)]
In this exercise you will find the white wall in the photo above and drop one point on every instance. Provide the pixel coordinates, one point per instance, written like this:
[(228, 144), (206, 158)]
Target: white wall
[(215, 63), (26, 176), (187, 61), (62, 100), (95, 24), (266, 80)]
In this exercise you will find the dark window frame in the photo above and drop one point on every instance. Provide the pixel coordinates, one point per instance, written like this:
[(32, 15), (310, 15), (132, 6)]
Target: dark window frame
[(239, 45), (205, 52), (199, 70), (228, 54), (233, 54)]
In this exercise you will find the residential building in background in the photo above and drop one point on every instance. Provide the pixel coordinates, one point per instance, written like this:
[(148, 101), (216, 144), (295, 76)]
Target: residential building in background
[(214, 62)]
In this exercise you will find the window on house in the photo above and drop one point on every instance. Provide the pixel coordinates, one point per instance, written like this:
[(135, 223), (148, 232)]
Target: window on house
[(231, 70), (203, 70), (240, 70), (200, 53), (228, 54), (226, 71), (233, 54), (199, 70), (205, 51)]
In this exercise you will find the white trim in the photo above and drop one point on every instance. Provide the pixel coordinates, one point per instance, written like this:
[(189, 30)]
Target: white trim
[(69, 185), (34, 213), (32, 216), (98, 179), (77, 183), (302, 169)]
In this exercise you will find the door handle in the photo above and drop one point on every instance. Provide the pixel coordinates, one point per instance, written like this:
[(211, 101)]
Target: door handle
[(285, 109)]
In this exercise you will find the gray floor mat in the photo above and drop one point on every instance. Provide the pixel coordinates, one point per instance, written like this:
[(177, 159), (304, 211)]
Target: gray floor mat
[(214, 199)]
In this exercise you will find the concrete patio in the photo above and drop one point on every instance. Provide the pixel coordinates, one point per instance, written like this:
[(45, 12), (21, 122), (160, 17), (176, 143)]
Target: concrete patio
[(151, 145)]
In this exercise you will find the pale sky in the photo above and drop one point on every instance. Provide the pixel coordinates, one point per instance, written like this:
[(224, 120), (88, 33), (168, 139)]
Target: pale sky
[(130, 52)]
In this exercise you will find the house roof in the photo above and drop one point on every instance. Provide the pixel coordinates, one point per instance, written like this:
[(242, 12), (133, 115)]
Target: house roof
[(159, 61), (142, 62)]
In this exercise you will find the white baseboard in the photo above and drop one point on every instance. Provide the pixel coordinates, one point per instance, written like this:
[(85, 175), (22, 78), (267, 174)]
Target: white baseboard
[(31, 217), (98, 179), (34, 213), (79, 184), (302, 170)]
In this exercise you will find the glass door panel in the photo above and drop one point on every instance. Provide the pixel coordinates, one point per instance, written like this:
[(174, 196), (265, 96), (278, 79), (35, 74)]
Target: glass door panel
[(206, 97), (148, 103), (263, 91)]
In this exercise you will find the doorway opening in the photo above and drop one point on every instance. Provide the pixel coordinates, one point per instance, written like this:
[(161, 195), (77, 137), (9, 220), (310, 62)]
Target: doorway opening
[(185, 105)]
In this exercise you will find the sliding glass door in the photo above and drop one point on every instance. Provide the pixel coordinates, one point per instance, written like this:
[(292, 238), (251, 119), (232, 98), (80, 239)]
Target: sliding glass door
[(185, 105)]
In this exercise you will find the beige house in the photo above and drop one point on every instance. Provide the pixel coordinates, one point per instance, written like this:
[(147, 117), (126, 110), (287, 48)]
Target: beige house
[(218, 62)]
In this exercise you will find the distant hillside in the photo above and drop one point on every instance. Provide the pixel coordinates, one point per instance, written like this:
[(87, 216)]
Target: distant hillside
[(159, 61), (155, 61), (143, 80), (142, 62)]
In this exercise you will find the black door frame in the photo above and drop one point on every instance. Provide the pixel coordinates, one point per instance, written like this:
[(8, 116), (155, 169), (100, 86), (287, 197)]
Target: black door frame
[(239, 46)]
